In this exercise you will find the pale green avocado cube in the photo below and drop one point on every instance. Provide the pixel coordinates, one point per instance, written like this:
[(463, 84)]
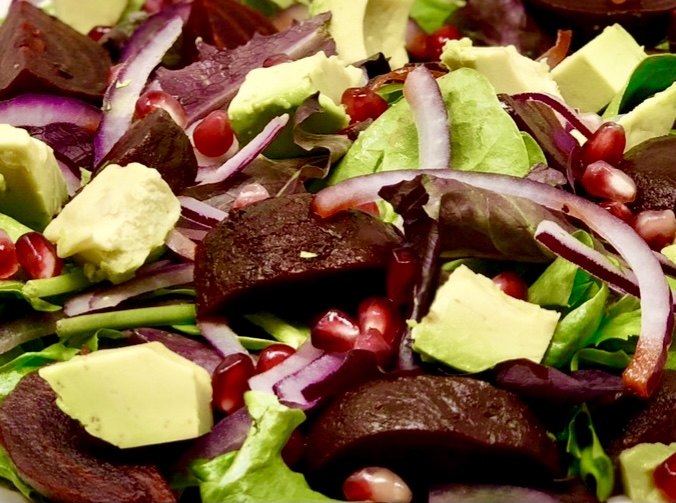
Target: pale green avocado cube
[(134, 395), (472, 325), (32, 187), (637, 465), (508, 71), (650, 119), (362, 28), (281, 89), (590, 77), (83, 15), (116, 222)]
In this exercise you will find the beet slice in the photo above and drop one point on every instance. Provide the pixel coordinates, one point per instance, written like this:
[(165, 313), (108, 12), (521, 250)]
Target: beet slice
[(651, 165), (646, 20), (57, 457), (278, 255), (430, 429), (157, 142), (42, 54)]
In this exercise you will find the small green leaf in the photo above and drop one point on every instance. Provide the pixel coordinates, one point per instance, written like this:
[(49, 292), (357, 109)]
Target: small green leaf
[(654, 74)]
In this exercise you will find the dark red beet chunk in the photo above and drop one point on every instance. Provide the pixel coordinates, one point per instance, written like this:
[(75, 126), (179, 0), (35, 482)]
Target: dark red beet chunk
[(55, 455), (646, 20), (430, 428), (42, 54), (279, 254), (651, 165), (157, 142)]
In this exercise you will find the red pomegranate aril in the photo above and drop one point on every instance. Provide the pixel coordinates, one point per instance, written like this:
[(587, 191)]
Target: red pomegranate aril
[(372, 340), (656, 227), (664, 478), (37, 256), (375, 483), (249, 194), (150, 100), (379, 313), (620, 210), (512, 284), (437, 40), (402, 273), (273, 355), (416, 41), (362, 103), (214, 136), (230, 381), (600, 179), (294, 449), (335, 331), (9, 263), (98, 32), (606, 144)]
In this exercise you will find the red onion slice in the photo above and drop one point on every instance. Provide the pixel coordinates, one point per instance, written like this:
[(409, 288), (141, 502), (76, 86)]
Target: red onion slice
[(560, 242), (290, 388), (246, 154), (431, 118), (200, 211), (120, 98), (643, 374), (103, 298), (179, 243), (220, 336), (40, 110)]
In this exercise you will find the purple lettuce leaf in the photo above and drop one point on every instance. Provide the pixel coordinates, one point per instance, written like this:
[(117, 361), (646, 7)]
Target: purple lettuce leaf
[(212, 81), (336, 145), (72, 144)]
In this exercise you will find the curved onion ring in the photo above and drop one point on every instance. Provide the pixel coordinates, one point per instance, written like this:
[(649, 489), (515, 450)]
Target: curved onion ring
[(644, 372)]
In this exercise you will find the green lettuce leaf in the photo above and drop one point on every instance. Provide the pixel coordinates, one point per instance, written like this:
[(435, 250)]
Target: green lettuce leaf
[(282, 331), (432, 14), (493, 144), (257, 473), (9, 473)]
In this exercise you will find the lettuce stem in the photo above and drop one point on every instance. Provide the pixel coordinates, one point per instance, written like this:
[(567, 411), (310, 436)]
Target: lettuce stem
[(65, 283)]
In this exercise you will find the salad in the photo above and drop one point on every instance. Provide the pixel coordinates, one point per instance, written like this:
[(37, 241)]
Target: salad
[(332, 250)]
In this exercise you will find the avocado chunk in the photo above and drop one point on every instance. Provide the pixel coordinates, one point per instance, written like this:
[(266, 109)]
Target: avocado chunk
[(83, 16), (590, 77), (368, 27), (652, 118), (638, 464), (281, 89), (135, 395), (472, 325), (508, 71), (32, 187), (100, 226)]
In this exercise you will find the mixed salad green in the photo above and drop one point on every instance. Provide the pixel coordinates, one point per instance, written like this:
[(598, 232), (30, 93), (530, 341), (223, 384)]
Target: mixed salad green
[(450, 172)]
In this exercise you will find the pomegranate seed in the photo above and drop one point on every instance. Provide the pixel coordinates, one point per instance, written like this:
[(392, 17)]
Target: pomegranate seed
[(606, 144), (379, 314), (9, 263), (620, 210), (273, 355), (150, 100), (98, 32), (664, 477), (335, 331), (230, 380), (37, 256), (276, 59), (512, 284), (416, 41), (602, 180), (294, 449), (213, 137), (249, 194), (361, 103), (656, 227), (376, 484), (437, 40), (372, 340), (402, 273)]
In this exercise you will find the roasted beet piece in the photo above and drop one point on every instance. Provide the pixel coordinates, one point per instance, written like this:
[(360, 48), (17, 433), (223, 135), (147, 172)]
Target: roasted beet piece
[(54, 454), (646, 20), (157, 142), (430, 428), (651, 165), (42, 54), (280, 254)]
